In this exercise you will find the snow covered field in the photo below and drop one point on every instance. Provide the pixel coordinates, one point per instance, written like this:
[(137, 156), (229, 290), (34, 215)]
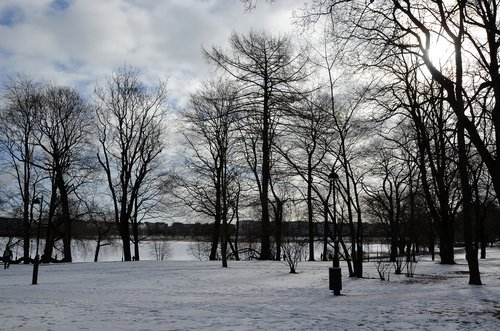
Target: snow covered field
[(255, 295)]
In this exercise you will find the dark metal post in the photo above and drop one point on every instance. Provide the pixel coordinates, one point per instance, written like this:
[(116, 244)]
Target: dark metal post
[(335, 274), (326, 230), (336, 262), (34, 280)]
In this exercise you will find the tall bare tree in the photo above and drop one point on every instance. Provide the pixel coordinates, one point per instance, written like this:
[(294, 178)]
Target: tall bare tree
[(211, 136), (22, 102), (131, 122), (306, 146), (416, 103), (269, 71), (390, 197), (63, 134)]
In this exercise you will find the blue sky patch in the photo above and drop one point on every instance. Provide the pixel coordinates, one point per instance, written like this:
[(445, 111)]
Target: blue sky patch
[(60, 5), (11, 15)]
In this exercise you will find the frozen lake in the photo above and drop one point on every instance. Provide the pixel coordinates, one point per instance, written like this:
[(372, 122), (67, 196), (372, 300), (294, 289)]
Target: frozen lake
[(178, 250), (84, 250)]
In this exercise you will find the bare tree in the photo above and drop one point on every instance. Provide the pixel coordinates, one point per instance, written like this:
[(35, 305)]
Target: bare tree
[(63, 133), (456, 23), (293, 252), (269, 71), (252, 4), (200, 250), (467, 30), (306, 147), (483, 201), (101, 223), (160, 249), (22, 98), (149, 204), (416, 104), (389, 199), (211, 186), (131, 123)]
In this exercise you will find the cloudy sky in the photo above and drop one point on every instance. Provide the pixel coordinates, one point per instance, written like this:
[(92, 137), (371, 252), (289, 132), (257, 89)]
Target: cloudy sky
[(79, 42)]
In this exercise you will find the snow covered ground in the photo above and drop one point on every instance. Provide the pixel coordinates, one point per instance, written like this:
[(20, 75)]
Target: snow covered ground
[(255, 295)]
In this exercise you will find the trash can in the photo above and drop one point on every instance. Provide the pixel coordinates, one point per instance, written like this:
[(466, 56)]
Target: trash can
[(335, 277)]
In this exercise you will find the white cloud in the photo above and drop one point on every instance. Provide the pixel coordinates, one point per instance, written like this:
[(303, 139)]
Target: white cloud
[(79, 42)]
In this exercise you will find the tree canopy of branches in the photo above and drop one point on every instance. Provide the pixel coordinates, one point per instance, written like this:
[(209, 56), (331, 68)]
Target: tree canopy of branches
[(46, 130), (306, 148), (211, 185), (131, 123), (466, 32), (268, 71), (63, 133), (22, 103)]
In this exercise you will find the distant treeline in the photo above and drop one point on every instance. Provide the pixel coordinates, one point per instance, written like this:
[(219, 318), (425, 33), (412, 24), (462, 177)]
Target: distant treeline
[(250, 229), (12, 227)]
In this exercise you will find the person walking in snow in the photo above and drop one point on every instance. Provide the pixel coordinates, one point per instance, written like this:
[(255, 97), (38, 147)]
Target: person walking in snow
[(7, 256)]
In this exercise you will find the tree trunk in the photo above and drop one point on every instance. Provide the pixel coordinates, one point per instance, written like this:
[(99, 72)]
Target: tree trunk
[(446, 242), (347, 256), (470, 251), (224, 243), (432, 249), (359, 249), (135, 229), (26, 210), (480, 216), (310, 221), (236, 235), (458, 106), (98, 247), (265, 249), (125, 236), (483, 250), (394, 242), (49, 236), (222, 202), (277, 230), (67, 235), (215, 239), (325, 229)]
